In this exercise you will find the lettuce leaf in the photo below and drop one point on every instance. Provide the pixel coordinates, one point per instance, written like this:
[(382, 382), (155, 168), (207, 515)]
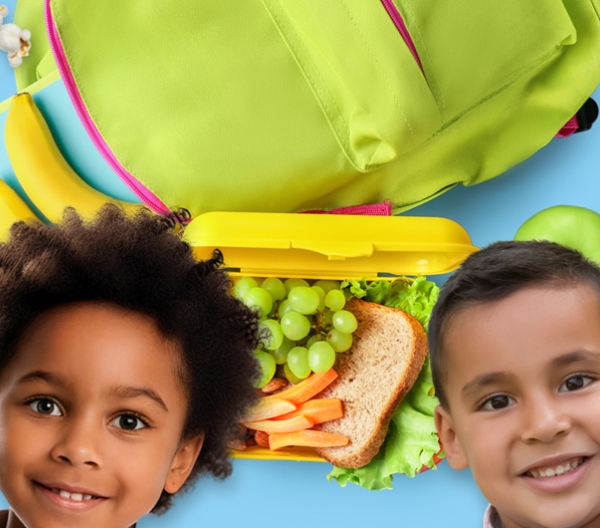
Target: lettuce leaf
[(411, 441)]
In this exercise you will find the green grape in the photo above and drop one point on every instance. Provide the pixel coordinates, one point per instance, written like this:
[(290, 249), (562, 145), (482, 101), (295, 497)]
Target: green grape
[(260, 300), (321, 295), (275, 287), (270, 334), (284, 308), (335, 300), (327, 285), (242, 286), (314, 339), (321, 357), (295, 326), (290, 375), (294, 283), (339, 341), (344, 321), (281, 353), (297, 360), (267, 367), (303, 300)]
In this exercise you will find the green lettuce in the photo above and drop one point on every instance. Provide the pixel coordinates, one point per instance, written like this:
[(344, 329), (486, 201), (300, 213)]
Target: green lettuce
[(411, 441)]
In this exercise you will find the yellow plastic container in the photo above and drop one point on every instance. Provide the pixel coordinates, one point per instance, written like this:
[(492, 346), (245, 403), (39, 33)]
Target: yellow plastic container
[(323, 246)]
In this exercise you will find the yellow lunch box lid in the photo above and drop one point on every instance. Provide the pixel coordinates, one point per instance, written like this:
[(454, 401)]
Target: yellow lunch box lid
[(329, 246)]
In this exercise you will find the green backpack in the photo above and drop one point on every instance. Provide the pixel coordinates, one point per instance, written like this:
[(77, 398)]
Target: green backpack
[(289, 105)]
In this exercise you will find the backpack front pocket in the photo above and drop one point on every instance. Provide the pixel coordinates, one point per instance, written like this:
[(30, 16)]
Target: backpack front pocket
[(363, 74), (472, 50)]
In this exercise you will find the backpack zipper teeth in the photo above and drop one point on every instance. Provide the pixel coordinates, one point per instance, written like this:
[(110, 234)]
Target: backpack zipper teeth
[(144, 194), (398, 21)]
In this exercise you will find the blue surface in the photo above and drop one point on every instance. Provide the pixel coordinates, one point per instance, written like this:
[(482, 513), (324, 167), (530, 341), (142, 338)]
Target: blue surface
[(294, 494)]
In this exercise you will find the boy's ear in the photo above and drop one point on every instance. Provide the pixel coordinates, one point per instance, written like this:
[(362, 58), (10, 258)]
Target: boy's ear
[(445, 429), (183, 463)]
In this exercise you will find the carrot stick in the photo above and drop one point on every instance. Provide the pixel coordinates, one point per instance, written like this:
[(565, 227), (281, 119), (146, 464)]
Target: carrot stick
[(307, 438), (306, 389), (281, 426), (318, 411), (269, 408)]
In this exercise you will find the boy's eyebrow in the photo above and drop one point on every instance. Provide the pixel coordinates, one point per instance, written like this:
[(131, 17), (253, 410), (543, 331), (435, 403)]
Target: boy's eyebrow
[(579, 356), (134, 392), (479, 383)]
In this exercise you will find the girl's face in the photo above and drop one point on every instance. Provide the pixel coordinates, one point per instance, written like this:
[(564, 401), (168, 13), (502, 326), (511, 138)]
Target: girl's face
[(91, 417)]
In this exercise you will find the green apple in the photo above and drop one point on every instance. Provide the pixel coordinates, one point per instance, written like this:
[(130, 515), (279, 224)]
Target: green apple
[(569, 225)]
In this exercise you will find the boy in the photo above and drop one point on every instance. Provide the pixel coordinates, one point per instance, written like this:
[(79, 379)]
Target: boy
[(515, 353), (125, 365)]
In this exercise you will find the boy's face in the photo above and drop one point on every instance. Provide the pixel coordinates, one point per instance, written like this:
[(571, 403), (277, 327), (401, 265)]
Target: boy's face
[(523, 388), (91, 416)]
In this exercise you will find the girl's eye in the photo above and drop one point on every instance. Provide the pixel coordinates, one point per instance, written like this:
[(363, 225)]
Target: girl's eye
[(45, 406), (574, 383), (129, 422), (499, 401)]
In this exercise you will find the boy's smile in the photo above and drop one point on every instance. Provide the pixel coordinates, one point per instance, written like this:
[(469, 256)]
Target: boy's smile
[(92, 409), (523, 389)]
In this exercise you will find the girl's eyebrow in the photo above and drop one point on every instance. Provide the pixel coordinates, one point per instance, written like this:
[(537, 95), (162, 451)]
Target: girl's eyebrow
[(135, 392), (48, 377), (121, 391)]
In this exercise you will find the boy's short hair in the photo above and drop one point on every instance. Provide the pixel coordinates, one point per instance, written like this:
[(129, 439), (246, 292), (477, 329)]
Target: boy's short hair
[(494, 273), (138, 264)]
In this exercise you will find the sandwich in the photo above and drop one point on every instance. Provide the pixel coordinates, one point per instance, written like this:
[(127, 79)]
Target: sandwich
[(383, 364)]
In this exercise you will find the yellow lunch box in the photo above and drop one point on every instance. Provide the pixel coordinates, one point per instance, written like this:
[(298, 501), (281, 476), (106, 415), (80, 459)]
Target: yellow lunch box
[(327, 246)]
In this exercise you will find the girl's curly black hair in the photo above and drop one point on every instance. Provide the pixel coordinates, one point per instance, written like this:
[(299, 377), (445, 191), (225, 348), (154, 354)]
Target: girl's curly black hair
[(138, 264)]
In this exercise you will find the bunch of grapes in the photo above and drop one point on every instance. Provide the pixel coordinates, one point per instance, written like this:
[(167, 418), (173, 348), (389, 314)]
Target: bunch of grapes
[(301, 327)]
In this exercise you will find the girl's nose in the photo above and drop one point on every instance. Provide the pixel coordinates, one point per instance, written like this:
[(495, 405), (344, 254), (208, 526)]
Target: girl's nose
[(78, 444)]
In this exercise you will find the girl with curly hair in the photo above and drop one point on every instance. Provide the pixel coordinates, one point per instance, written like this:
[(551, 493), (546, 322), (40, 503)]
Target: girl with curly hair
[(125, 366)]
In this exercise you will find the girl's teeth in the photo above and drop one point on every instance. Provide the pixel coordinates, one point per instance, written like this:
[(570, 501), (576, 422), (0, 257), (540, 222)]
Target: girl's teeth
[(557, 470), (73, 496)]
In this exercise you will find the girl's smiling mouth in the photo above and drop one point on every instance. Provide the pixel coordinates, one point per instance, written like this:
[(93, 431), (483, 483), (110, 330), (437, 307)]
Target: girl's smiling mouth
[(558, 476), (72, 498)]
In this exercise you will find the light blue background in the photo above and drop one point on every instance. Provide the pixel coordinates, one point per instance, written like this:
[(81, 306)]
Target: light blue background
[(295, 495)]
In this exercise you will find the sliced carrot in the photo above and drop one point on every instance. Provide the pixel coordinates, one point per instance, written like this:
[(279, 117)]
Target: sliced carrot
[(306, 389), (437, 459), (269, 408), (281, 426), (306, 439), (318, 411)]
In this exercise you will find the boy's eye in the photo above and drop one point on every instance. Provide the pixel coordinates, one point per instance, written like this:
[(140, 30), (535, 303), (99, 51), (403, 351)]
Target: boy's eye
[(499, 401), (129, 422), (575, 383), (45, 406)]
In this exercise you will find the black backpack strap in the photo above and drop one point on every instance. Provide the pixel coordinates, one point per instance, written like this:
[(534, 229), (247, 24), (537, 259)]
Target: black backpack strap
[(587, 115)]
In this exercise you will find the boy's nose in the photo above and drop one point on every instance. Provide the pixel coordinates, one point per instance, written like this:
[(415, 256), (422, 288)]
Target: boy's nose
[(544, 420), (78, 444)]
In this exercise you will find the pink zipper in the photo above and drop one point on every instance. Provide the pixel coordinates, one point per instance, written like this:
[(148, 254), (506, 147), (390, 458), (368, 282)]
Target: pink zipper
[(396, 17), (145, 195)]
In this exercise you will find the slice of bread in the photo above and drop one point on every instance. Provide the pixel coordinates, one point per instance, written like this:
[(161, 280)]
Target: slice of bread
[(383, 364)]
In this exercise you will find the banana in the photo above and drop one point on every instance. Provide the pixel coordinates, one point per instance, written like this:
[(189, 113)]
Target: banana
[(41, 169), (12, 209)]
